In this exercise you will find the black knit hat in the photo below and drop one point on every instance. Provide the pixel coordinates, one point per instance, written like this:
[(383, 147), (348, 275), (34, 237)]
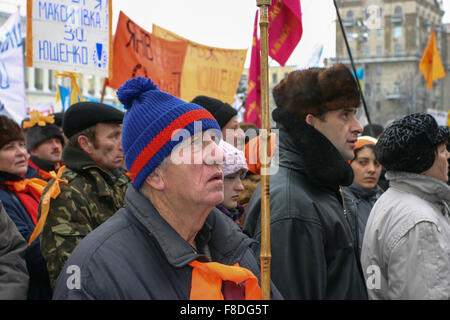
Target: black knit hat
[(222, 111), (409, 144), (36, 135), (83, 115)]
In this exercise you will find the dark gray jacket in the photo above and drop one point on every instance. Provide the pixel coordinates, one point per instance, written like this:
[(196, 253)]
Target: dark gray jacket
[(358, 203), (136, 254), (13, 269), (313, 255)]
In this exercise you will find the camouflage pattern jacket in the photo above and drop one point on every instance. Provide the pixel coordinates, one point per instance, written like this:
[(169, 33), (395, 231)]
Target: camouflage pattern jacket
[(90, 197)]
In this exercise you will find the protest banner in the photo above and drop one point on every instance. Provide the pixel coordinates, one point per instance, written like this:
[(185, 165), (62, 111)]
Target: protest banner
[(208, 71), (12, 83), (139, 53), (70, 35)]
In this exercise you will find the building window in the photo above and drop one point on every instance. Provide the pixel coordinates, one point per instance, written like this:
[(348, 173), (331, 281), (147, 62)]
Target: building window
[(379, 33), (398, 15), (398, 32), (366, 51), (398, 49), (378, 88), (378, 69), (274, 78), (379, 50), (396, 88)]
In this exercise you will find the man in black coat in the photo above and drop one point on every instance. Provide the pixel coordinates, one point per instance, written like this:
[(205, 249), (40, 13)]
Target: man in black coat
[(313, 252)]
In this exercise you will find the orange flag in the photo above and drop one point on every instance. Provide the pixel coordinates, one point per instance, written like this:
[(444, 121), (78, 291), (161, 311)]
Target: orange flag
[(139, 53), (431, 63)]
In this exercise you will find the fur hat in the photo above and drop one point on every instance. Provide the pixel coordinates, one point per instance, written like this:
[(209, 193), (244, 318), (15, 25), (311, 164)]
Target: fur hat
[(151, 119), (36, 135), (317, 90), (9, 131), (85, 114), (409, 144), (222, 111)]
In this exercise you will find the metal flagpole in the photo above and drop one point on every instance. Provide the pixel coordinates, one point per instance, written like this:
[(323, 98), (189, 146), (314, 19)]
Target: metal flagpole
[(265, 254)]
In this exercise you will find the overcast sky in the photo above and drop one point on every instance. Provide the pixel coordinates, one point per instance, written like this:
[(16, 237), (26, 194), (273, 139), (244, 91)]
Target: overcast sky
[(227, 23)]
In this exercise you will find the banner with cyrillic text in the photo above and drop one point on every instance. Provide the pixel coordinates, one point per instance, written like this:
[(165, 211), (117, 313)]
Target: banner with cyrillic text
[(12, 83), (70, 35), (137, 52), (209, 71)]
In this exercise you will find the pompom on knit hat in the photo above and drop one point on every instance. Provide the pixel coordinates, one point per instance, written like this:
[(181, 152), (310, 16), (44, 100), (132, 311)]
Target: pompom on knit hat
[(152, 117), (221, 111), (234, 159), (409, 144)]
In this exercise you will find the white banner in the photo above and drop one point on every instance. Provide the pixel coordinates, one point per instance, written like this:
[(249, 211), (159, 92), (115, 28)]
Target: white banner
[(12, 84), (70, 35)]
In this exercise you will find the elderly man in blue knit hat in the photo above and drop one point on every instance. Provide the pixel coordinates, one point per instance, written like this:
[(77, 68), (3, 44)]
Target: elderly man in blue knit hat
[(168, 242)]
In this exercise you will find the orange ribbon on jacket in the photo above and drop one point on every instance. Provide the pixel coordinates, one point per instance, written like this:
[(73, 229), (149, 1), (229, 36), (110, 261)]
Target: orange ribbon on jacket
[(53, 191), (38, 118), (207, 280)]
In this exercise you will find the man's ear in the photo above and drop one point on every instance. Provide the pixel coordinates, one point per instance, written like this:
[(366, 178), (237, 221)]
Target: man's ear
[(155, 180), (310, 119), (85, 144)]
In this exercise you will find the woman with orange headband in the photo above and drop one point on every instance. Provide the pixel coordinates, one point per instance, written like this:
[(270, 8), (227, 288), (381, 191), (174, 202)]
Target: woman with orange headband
[(361, 195)]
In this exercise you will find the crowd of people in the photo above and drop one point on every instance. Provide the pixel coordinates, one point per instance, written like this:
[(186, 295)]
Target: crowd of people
[(164, 201)]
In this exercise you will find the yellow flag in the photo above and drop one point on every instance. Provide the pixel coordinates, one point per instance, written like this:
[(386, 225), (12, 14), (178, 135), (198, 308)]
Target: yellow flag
[(431, 63), (207, 70)]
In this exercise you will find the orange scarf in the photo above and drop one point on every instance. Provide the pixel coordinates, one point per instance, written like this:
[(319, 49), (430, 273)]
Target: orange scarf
[(53, 191), (207, 280)]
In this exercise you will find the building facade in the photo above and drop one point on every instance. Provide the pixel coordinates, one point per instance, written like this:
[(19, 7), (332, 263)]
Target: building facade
[(387, 39)]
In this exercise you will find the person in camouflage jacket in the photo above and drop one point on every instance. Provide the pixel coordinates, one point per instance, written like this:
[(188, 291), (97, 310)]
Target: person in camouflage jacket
[(96, 184)]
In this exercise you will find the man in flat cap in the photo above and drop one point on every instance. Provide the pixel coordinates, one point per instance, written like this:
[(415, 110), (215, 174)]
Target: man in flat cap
[(313, 253), (95, 185)]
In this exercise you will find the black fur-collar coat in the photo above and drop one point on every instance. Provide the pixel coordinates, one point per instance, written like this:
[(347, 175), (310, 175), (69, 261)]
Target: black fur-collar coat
[(313, 252)]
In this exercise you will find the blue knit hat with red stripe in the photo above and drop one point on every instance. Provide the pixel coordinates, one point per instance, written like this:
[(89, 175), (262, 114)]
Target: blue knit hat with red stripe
[(151, 118)]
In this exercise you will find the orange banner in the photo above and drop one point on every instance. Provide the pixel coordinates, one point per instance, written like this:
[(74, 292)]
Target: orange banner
[(139, 53), (208, 71)]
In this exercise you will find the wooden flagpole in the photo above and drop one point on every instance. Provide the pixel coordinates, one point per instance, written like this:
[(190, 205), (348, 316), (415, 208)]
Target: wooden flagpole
[(265, 254)]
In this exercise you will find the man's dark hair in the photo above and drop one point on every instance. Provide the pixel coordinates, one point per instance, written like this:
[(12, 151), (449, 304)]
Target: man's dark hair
[(374, 130), (89, 133)]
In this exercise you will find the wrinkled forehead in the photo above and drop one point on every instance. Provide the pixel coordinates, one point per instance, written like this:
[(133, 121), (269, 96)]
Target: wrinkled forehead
[(183, 136)]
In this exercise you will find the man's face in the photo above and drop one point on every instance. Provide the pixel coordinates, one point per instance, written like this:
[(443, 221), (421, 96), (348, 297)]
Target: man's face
[(14, 158), (342, 129), (196, 181), (50, 150), (107, 151), (233, 134)]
